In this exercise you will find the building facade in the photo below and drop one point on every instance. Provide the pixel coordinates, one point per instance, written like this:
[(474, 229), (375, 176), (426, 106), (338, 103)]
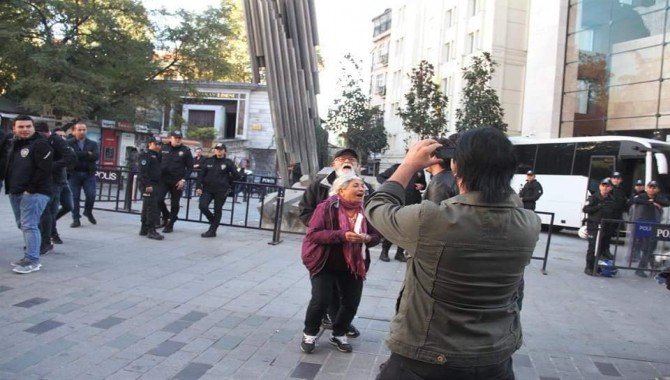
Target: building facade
[(446, 33), (598, 67), (239, 113)]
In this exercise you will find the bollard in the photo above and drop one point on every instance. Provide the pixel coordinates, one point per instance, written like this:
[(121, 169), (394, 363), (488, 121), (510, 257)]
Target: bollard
[(279, 210), (128, 201)]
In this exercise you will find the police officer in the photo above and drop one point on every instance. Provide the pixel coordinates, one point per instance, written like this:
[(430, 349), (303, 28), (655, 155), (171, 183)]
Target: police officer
[(150, 182), (599, 206), (64, 157), (619, 195), (531, 191), (214, 182), (176, 166)]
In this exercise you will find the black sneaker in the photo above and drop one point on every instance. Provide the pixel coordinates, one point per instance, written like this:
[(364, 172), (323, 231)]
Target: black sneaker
[(167, 229), (352, 332), (341, 343), (208, 234), (641, 273), (75, 223), (46, 249), (55, 238), (308, 343), (326, 323), (90, 218)]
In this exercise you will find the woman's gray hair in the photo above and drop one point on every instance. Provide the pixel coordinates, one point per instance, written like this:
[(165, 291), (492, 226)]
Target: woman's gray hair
[(341, 182)]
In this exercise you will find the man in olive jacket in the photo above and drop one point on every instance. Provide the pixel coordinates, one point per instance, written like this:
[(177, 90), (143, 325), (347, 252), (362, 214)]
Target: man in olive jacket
[(457, 315)]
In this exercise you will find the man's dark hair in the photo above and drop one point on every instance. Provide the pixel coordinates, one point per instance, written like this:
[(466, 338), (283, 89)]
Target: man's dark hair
[(446, 152), (41, 126), (22, 118), (486, 163)]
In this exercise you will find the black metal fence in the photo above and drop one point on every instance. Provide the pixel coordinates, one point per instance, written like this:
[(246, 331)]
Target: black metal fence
[(117, 190), (631, 242)]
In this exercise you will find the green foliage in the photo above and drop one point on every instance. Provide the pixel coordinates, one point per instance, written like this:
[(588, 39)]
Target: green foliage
[(425, 105), (480, 106), (352, 118), (202, 133), (105, 58)]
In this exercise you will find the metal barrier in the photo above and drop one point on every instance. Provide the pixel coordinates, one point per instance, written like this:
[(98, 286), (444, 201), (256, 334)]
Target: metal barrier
[(117, 190), (545, 258), (638, 236)]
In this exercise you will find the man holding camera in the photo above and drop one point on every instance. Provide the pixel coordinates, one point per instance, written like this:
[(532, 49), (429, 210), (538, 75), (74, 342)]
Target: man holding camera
[(457, 317)]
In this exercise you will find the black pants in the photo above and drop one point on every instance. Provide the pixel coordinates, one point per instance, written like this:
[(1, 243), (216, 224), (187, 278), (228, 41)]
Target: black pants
[(175, 196), (606, 237), (150, 212), (399, 367), (48, 219), (350, 289), (386, 245), (219, 199), (647, 246)]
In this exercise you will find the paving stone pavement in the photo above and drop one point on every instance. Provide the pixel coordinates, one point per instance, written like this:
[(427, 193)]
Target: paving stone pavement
[(109, 304)]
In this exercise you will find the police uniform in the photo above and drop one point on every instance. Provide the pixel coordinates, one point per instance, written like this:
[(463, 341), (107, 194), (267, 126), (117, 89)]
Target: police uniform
[(215, 180), (150, 183), (176, 165), (597, 208)]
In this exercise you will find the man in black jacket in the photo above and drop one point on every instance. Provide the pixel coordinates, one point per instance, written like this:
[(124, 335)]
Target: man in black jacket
[(82, 175), (412, 196), (28, 182), (648, 209), (176, 166), (150, 181), (214, 182), (442, 183), (531, 191), (63, 158), (599, 206)]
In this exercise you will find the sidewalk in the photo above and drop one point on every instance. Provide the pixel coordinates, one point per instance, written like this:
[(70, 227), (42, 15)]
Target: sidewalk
[(109, 304)]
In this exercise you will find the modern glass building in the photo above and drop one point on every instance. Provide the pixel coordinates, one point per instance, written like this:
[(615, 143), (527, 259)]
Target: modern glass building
[(616, 69)]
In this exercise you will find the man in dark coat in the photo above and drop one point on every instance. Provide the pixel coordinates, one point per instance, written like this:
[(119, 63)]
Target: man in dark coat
[(176, 166), (82, 175), (649, 210), (599, 206), (64, 157), (214, 182), (531, 191), (28, 179), (412, 196), (150, 182)]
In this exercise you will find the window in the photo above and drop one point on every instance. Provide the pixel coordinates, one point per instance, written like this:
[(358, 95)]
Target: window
[(555, 158), (473, 7), (380, 86), (399, 46), (447, 87), (587, 149), (448, 18), (526, 156), (382, 23), (472, 43), (446, 52)]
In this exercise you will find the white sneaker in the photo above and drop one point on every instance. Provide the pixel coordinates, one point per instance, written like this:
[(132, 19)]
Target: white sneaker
[(25, 269), (308, 343)]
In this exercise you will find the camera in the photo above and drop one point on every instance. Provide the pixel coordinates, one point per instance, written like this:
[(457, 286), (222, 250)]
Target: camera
[(446, 153)]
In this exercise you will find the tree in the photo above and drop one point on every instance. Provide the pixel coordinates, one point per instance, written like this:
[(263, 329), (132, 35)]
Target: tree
[(425, 108), (480, 106), (352, 118), (105, 58)]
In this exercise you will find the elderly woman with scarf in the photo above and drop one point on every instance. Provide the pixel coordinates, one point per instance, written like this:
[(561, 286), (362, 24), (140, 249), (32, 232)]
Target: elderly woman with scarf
[(334, 252)]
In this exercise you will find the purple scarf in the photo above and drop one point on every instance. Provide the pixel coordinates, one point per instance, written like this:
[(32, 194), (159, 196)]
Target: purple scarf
[(353, 252)]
